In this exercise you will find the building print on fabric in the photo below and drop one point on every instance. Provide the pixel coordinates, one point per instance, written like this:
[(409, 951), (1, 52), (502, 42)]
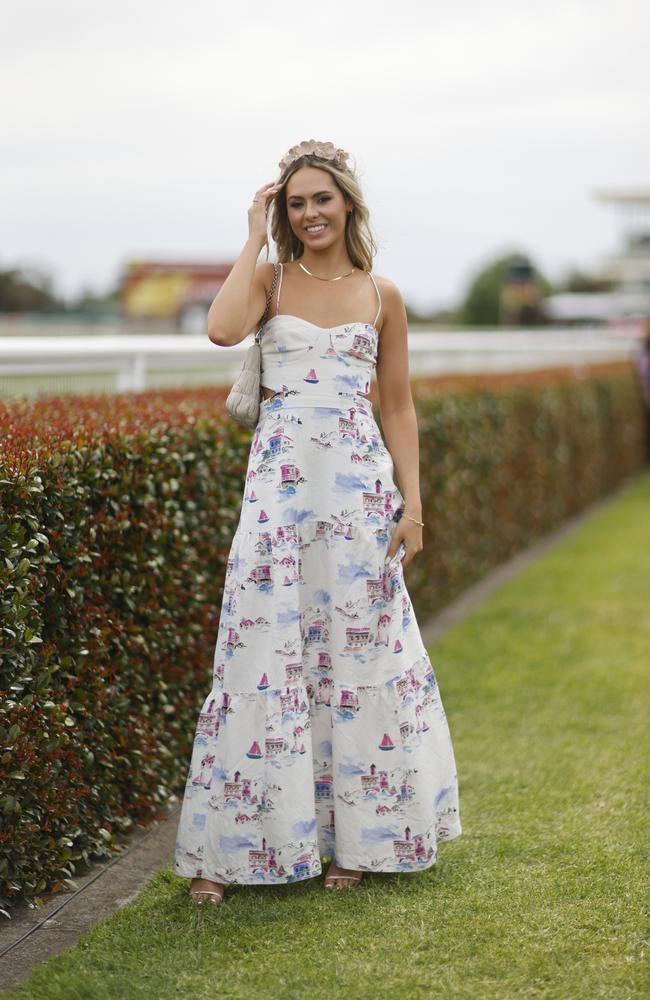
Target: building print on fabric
[(324, 731)]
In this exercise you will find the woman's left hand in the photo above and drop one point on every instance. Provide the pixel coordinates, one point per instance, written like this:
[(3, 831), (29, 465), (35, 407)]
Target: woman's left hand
[(410, 533)]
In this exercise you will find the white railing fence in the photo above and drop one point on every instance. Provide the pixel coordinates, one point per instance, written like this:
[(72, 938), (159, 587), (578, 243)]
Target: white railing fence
[(114, 361)]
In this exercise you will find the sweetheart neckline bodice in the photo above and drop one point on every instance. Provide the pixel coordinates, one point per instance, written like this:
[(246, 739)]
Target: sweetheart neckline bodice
[(289, 350), (317, 326)]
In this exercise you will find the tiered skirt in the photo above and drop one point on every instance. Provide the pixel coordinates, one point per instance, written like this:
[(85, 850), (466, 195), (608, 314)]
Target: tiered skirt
[(324, 733)]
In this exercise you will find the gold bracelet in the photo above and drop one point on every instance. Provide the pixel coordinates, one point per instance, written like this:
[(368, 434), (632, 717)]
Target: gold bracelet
[(413, 519)]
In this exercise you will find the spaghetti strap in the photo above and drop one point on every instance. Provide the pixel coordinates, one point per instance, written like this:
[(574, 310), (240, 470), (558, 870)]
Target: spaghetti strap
[(374, 323), (277, 301)]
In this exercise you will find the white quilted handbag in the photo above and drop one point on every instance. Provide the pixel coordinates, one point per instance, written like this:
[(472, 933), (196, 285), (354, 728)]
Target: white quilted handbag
[(243, 402)]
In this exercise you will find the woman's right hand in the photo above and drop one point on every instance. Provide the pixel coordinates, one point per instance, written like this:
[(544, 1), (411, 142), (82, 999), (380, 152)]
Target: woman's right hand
[(258, 211)]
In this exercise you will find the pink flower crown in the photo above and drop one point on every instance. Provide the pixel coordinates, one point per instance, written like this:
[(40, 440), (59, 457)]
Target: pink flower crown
[(326, 150)]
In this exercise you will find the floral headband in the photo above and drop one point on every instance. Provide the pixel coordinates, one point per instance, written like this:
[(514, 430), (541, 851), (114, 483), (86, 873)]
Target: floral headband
[(326, 150)]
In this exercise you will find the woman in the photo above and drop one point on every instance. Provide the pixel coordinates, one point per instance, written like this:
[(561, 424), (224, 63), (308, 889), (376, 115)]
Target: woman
[(324, 732)]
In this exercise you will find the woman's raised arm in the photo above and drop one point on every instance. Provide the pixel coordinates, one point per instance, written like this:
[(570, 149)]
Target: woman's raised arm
[(240, 301)]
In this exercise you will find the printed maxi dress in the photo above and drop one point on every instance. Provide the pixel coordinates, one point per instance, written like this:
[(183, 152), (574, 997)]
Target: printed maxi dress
[(324, 732)]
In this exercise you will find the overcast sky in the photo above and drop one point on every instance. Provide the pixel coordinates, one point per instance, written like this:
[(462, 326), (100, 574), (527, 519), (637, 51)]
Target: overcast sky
[(142, 129)]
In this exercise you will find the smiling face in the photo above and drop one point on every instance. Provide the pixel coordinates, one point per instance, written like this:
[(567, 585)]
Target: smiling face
[(316, 207)]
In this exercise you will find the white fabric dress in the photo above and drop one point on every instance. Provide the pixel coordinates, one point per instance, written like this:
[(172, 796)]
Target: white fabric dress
[(324, 733)]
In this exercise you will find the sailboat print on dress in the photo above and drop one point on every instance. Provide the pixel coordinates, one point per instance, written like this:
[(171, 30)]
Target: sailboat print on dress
[(319, 664), (254, 752)]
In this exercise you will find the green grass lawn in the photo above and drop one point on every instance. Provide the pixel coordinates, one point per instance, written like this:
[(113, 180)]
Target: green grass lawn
[(546, 692)]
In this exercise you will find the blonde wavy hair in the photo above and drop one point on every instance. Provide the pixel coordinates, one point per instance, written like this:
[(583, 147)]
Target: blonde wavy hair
[(359, 240)]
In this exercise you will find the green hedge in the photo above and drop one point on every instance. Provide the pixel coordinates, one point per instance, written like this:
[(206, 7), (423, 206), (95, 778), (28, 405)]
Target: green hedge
[(115, 524)]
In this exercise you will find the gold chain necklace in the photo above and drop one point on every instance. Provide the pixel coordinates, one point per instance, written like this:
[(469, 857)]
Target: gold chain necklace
[(337, 278)]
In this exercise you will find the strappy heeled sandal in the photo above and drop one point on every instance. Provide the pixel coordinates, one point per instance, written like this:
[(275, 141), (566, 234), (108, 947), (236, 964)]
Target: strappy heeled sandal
[(351, 878), (195, 893)]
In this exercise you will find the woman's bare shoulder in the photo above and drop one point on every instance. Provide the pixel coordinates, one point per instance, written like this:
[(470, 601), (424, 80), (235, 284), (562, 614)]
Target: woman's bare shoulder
[(265, 269), (391, 296), (264, 273)]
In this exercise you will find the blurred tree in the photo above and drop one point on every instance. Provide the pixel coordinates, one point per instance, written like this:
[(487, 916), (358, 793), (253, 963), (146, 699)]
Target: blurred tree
[(413, 316), (101, 303), (482, 304), (579, 281), (435, 317), (27, 291)]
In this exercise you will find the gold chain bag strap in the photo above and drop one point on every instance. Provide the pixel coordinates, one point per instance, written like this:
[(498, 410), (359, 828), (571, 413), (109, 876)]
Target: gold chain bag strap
[(243, 402)]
